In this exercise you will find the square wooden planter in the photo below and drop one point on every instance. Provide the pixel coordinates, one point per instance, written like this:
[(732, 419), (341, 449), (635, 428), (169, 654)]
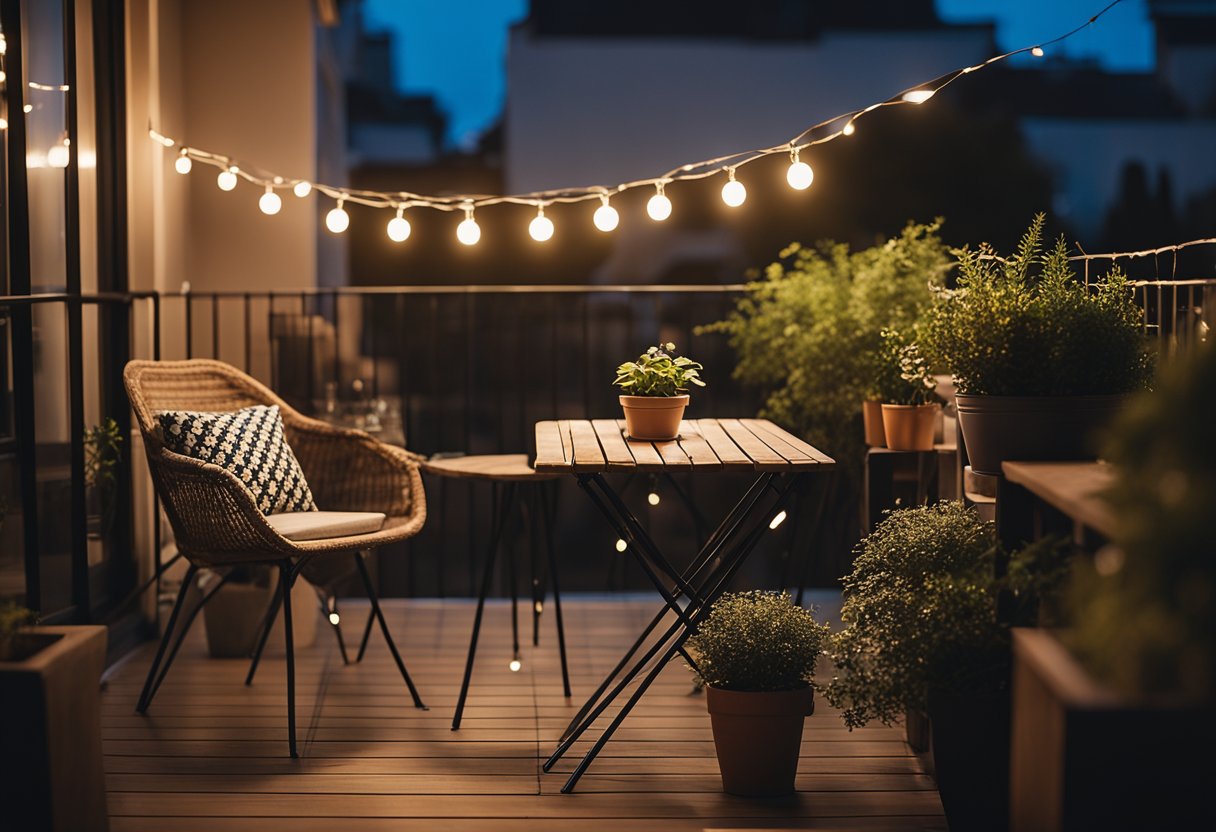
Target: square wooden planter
[(51, 775), (1086, 758)]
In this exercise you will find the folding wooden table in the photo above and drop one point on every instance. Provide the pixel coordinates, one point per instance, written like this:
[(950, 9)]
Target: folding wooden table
[(591, 449)]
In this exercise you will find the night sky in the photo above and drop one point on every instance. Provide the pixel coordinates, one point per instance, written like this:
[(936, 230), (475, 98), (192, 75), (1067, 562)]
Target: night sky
[(457, 50)]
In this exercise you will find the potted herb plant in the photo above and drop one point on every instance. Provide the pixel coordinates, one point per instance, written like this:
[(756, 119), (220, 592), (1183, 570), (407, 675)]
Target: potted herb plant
[(102, 454), (755, 653), (909, 407), (51, 774), (655, 392), (1040, 360), (923, 635), (1112, 704)]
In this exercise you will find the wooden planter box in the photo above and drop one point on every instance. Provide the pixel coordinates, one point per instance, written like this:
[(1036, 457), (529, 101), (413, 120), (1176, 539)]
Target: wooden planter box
[(1085, 758), (51, 775)]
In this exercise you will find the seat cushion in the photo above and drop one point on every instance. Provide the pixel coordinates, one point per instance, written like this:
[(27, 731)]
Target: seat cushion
[(249, 443), (318, 525)]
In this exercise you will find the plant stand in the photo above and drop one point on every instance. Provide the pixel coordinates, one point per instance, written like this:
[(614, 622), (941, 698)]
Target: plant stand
[(51, 776)]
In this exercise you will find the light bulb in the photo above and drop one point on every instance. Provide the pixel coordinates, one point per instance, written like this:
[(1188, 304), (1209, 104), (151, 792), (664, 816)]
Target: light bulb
[(3, 45), (778, 519), (653, 498), (468, 232), (270, 203), (3, 124), (539, 607), (918, 96), (227, 179), (399, 227), (183, 164), (659, 206), (541, 227), (733, 192), (28, 108), (3, 76), (334, 619), (621, 545), (800, 176), (57, 156), (515, 665), (337, 220), (849, 129), (302, 189), (606, 218), (1037, 51)]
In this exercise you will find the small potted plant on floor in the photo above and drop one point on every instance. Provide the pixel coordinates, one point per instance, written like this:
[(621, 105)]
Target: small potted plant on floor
[(755, 653), (909, 407), (1040, 359), (655, 392), (102, 454)]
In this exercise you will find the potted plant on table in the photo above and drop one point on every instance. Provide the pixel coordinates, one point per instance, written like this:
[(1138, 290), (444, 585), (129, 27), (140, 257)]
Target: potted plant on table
[(1040, 359), (755, 653), (909, 404), (655, 392)]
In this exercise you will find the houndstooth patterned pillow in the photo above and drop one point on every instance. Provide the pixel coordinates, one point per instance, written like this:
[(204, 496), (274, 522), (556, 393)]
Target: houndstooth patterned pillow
[(250, 444)]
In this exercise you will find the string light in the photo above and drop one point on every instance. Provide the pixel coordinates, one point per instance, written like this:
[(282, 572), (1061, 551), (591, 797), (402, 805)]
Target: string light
[(653, 498), (777, 520), (227, 178), (58, 156), (337, 220), (606, 218), (541, 227), (270, 203), (733, 192), (183, 164), (515, 665), (3, 124), (621, 545), (468, 232), (799, 175), (335, 619), (659, 206), (399, 227), (3, 45)]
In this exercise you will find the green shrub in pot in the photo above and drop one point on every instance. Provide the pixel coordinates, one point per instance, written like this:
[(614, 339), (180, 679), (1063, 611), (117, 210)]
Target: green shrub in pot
[(909, 404), (755, 653), (654, 391), (1039, 359)]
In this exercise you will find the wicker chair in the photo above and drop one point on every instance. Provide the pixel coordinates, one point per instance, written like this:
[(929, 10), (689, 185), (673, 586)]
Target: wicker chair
[(218, 525)]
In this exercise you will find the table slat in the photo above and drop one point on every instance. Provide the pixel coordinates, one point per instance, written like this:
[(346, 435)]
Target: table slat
[(588, 455), (698, 450), (801, 444), (615, 450), (550, 451), (764, 456), (726, 450), (777, 439), (673, 455), (644, 453)]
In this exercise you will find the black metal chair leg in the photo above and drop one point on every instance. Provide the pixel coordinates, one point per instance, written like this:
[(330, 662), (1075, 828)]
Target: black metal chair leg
[(334, 619), (497, 521), (145, 696), (272, 612), (546, 514), (367, 633), (183, 630), (286, 579), (371, 594), (532, 505), (510, 576)]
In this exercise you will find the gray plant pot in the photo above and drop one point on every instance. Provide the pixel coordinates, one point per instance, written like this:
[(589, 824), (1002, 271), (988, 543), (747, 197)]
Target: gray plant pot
[(51, 776)]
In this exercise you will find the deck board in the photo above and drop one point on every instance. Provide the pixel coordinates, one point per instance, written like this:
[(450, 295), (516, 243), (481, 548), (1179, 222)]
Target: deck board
[(210, 756)]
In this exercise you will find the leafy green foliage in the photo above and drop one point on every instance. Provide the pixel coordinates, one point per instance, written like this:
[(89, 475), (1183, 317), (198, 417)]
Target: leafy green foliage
[(1025, 326), (102, 453), (1145, 612), (758, 641), (903, 377), (658, 372), (13, 617), (921, 609)]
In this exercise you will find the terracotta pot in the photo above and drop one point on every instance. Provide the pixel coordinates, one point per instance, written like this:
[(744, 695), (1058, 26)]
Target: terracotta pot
[(909, 427), (871, 417), (1033, 428), (653, 418), (758, 735)]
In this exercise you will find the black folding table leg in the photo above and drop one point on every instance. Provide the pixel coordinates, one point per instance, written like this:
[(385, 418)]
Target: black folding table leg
[(497, 521), (546, 516), (145, 696), (510, 550), (272, 612), (371, 594), (531, 501), (286, 579)]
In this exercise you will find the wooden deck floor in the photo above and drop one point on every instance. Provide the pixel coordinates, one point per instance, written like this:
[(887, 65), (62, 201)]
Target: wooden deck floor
[(211, 755)]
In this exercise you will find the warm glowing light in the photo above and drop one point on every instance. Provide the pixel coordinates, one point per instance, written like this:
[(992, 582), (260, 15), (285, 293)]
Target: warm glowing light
[(918, 96), (777, 520), (849, 129), (334, 619), (3, 76), (539, 606), (515, 665), (799, 175), (399, 227), (28, 108), (58, 156), (183, 163), (621, 545), (468, 232), (337, 220), (227, 179), (606, 218), (659, 206), (302, 189), (3, 124), (733, 192), (3, 45), (541, 227), (270, 203), (1037, 51), (653, 498)]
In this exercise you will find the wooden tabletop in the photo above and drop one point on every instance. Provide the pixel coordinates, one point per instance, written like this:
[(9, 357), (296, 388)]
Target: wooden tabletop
[(492, 467), (1075, 488), (581, 446)]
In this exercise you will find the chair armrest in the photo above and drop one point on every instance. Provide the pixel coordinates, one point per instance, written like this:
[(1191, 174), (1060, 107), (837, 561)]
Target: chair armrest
[(214, 516), (349, 470)]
